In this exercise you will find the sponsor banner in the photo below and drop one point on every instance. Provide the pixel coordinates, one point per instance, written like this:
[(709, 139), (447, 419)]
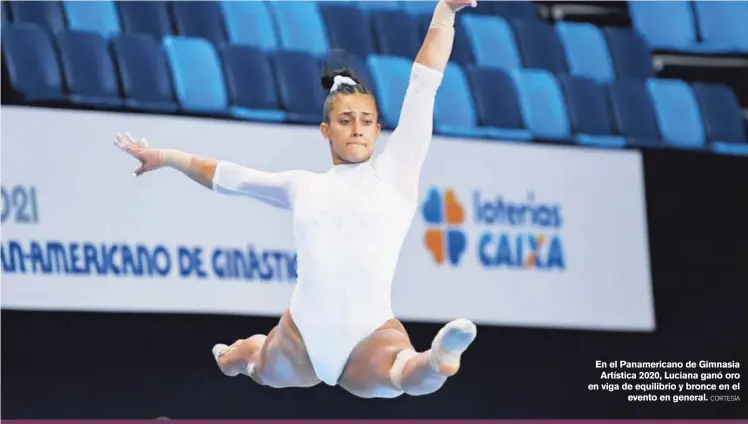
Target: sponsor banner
[(506, 234)]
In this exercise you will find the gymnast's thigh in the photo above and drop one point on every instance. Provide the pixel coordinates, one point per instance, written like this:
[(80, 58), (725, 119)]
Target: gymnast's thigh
[(367, 372), (284, 360)]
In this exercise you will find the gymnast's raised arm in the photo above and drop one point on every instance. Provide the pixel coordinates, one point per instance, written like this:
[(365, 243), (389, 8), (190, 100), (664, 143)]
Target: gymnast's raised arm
[(437, 46), (403, 157), (220, 176)]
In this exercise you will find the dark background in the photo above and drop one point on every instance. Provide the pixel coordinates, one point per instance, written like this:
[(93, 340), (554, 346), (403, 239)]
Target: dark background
[(89, 365)]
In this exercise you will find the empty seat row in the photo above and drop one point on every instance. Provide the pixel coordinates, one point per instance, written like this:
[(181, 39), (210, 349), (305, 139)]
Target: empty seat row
[(488, 40), (509, 9), (519, 39), (577, 49), (293, 26), (512, 37), (189, 74), (299, 26), (534, 104), (137, 72), (692, 26)]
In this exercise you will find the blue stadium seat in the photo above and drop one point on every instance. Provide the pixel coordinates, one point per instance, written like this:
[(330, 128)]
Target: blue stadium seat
[(586, 51), (589, 112), (677, 113), (484, 8), (144, 73), (497, 103), (89, 71), (723, 24), (492, 42), (631, 57), (299, 87), (95, 16), (390, 75), (197, 76), (539, 46), (668, 26), (722, 118), (396, 33), (146, 17), (300, 27), (30, 63), (47, 14), (633, 113), (252, 90), (348, 29), (516, 9), (542, 104), (6, 11), (454, 109), (375, 5), (249, 23), (462, 52), (419, 7), (199, 19)]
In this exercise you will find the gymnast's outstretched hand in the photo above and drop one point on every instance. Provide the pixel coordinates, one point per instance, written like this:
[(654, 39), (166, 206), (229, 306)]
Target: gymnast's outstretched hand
[(150, 159), (201, 170)]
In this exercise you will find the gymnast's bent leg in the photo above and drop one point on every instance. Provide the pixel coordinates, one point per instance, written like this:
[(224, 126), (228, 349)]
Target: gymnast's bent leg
[(277, 360), (385, 364)]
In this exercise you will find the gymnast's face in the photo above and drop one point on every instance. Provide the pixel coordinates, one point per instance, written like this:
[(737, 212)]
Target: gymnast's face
[(353, 128)]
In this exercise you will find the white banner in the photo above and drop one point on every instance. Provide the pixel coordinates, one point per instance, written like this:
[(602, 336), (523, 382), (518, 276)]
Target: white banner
[(508, 234)]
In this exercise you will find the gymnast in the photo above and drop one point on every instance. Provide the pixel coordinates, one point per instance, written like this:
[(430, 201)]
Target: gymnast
[(349, 224)]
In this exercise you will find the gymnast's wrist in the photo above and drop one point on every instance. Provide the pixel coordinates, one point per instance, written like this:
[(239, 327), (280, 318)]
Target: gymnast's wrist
[(176, 159), (444, 16)]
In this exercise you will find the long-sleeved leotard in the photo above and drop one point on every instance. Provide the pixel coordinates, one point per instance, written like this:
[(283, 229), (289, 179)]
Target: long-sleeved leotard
[(349, 226)]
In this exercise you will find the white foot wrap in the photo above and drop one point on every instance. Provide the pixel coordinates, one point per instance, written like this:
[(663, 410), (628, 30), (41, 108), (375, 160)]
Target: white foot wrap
[(220, 349), (396, 372), (450, 342)]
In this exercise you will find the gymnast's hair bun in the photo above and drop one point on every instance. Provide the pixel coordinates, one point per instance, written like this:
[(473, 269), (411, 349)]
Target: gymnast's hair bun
[(328, 77)]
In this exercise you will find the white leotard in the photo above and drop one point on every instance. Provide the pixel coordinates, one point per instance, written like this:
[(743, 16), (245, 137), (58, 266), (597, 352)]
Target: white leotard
[(349, 226)]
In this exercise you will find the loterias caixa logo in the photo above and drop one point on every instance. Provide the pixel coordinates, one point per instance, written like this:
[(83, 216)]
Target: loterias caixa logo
[(520, 234)]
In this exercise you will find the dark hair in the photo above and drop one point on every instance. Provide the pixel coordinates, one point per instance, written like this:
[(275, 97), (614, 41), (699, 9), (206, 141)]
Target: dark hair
[(328, 80)]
